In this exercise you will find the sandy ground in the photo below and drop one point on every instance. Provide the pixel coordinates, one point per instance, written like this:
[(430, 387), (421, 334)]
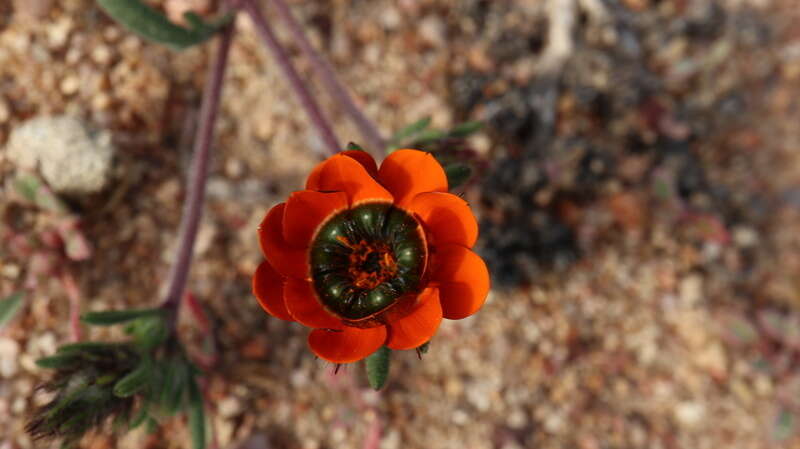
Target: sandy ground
[(639, 204)]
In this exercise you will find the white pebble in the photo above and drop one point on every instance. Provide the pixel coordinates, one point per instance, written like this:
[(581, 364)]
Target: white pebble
[(9, 351), (70, 158)]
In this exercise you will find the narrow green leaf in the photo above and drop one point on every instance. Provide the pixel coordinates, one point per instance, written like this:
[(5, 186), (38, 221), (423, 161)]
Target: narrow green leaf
[(175, 382), (110, 317), (27, 186), (9, 307), (466, 129), (152, 425), (136, 380), (141, 415), (56, 361), (197, 418), (150, 24), (352, 146), (197, 24), (457, 174), (86, 346), (378, 367), (411, 130), (31, 188), (429, 136)]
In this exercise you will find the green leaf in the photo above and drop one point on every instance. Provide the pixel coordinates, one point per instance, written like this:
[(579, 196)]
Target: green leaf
[(35, 191), (141, 415), (87, 346), (56, 361), (9, 307), (457, 174), (352, 146), (150, 24), (110, 317), (424, 348), (149, 331), (411, 130), (466, 129), (105, 379), (429, 136), (378, 367), (152, 425), (135, 381), (176, 375), (197, 418)]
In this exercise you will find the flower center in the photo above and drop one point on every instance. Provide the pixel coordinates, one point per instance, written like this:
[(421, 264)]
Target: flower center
[(365, 259), (371, 264)]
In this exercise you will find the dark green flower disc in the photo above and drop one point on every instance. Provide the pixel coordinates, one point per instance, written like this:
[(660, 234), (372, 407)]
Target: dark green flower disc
[(365, 259)]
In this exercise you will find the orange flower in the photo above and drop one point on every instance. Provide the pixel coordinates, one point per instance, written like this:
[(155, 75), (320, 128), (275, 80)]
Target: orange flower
[(370, 257)]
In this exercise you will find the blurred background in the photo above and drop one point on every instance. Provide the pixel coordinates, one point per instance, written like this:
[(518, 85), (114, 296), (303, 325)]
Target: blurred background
[(638, 190)]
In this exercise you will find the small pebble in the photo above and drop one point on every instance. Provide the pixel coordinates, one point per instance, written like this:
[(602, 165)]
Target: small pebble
[(9, 351), (70, 158)]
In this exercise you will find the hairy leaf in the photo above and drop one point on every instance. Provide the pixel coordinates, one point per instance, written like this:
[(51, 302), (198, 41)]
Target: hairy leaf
[(135, 381), (378, 367), (177, 375), (149, 331), (57, 361)]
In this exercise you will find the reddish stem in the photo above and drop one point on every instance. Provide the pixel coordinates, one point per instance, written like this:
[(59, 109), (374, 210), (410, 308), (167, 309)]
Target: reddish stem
[(193, 208), (198, 312), (331, 82), (74, 296), (304, 95)]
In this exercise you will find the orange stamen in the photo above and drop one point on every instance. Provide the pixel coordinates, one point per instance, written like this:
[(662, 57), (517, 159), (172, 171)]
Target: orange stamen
[(371, 264)]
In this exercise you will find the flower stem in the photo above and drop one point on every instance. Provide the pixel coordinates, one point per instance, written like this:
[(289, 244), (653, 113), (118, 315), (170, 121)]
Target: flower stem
[(198, 173), (306, 100), (329, 79)]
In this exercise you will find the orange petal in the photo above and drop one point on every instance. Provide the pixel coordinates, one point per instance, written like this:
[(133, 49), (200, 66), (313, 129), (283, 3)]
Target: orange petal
[(341, 173), (365, 159), (419, 326), (407, 173), (350, 344), (303, 306), (447, 217), (288, 260), (268, 288), (305, 211), (463, 281)]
